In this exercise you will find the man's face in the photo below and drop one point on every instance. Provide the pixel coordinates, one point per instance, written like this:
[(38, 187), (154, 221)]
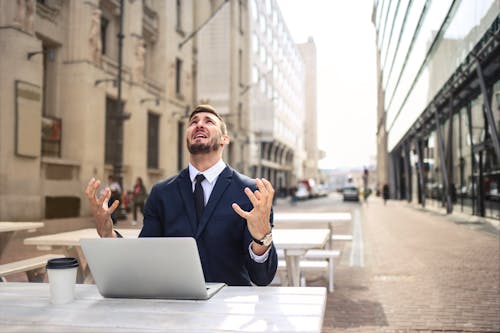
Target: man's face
[(204, 134)]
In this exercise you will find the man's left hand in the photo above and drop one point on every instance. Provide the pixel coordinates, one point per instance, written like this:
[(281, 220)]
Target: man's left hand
[(262, 201)]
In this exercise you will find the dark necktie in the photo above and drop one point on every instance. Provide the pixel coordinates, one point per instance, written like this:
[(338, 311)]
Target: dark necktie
[(199, 196)]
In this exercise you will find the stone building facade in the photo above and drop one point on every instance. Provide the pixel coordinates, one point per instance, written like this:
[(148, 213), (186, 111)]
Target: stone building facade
[(60, 116)]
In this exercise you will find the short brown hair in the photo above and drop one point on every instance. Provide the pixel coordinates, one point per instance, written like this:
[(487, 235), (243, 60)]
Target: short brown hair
[(209, 109)]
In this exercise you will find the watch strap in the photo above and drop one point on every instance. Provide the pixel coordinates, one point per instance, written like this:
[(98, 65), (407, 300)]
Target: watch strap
[(261, 241)]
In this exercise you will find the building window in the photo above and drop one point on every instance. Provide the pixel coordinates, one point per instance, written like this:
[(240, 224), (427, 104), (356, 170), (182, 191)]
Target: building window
[(112, 128), (178, 12), (110, 27), (178, 76), (241, 17), (51, 136), (153, 140), (180, 145), (240, 67), (104, 32)]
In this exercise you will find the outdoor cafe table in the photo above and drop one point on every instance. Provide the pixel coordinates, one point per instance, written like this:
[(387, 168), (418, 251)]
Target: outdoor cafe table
[(25, 307), (70, 242), (304, 217), (7, 230), (294, 242)]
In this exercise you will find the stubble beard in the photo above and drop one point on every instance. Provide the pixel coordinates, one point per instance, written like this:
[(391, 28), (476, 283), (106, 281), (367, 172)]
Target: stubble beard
[(204, 148)]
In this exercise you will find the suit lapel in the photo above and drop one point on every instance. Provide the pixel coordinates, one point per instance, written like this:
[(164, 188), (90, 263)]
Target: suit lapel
[(220, 187), (186, 190)]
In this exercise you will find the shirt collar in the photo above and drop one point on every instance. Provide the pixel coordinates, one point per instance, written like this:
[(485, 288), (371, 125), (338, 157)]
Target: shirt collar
[(210, 174)]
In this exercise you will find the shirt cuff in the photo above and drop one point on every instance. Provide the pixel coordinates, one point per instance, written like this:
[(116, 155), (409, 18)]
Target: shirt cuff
[(258, 259)]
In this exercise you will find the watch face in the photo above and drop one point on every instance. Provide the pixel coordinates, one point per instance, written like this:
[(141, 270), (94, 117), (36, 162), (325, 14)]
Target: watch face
[(268, 239)]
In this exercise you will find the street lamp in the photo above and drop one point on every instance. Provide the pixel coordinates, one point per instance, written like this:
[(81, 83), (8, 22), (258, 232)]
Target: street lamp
[(120, 116)]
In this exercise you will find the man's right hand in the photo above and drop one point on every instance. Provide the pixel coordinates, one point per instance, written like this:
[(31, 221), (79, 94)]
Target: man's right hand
[(100, 210)]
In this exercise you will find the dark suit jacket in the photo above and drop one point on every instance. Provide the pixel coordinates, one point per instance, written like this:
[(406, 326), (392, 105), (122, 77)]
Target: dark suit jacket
[(222, 235)]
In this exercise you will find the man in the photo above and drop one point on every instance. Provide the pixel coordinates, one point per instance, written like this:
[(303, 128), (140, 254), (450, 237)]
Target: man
[(233, 230)]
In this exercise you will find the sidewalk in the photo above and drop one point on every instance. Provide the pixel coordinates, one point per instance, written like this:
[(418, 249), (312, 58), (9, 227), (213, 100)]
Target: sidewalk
[(422, 273)]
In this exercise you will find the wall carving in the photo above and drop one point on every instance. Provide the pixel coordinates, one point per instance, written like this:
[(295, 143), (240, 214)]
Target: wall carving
[(25, 15), (95, 43)]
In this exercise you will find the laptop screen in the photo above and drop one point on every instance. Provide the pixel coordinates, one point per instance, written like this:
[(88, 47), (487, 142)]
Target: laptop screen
[(147, 268)]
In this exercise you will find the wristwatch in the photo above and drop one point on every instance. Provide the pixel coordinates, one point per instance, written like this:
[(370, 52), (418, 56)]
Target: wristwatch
[(266, 241)]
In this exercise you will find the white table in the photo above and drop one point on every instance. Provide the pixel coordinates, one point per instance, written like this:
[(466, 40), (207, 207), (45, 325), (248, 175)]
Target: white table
[(25, 307), (7, 230), (330, 218), (295, 243), (70, 243)]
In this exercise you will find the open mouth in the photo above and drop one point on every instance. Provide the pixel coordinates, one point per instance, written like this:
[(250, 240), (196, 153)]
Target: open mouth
[(200, 135)]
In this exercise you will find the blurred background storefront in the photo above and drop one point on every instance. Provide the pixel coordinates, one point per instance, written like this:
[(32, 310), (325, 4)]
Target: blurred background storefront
[(439, 103)]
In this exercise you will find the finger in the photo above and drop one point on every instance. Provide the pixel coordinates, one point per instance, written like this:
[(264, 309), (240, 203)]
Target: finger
[(268, 185), (88, 189), (113, 207), (270, 190), (261, 186), (251, 196), (239, 211), (97, 184), (103, 199), (93, 187), (105, 204), (258, 195)]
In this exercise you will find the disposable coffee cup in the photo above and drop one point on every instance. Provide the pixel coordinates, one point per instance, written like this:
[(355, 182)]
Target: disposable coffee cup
[(62, 279)]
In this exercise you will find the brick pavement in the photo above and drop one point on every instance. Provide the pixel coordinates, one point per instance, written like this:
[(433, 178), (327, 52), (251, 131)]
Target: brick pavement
[(422, 272)]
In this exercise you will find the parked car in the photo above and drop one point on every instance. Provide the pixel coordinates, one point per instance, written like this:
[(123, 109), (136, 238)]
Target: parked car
[(309, 185), (302, 192), (321, 190), (350, 193)]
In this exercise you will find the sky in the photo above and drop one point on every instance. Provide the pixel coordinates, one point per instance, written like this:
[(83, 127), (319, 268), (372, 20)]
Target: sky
[(346, 75)]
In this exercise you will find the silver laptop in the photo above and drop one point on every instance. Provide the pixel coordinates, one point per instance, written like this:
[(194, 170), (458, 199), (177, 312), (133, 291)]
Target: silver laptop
[(168, 268)]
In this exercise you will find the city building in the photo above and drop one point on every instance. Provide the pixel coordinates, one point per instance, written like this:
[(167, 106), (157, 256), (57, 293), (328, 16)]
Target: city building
[(439, 103), (61, 88), (313, 154), (68, 113), (250, 68)]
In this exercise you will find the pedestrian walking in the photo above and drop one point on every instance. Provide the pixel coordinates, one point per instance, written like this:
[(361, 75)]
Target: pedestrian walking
[(385, 193), (140, 195)]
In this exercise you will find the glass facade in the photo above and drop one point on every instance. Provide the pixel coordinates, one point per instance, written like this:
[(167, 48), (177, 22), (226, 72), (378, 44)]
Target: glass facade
[(441, 93)]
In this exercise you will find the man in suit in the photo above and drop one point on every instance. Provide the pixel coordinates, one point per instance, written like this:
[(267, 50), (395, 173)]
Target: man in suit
[(229, 215)]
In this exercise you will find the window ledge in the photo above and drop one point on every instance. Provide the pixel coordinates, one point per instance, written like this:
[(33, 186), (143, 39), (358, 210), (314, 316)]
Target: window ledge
[(59, 161), (155, 172)]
